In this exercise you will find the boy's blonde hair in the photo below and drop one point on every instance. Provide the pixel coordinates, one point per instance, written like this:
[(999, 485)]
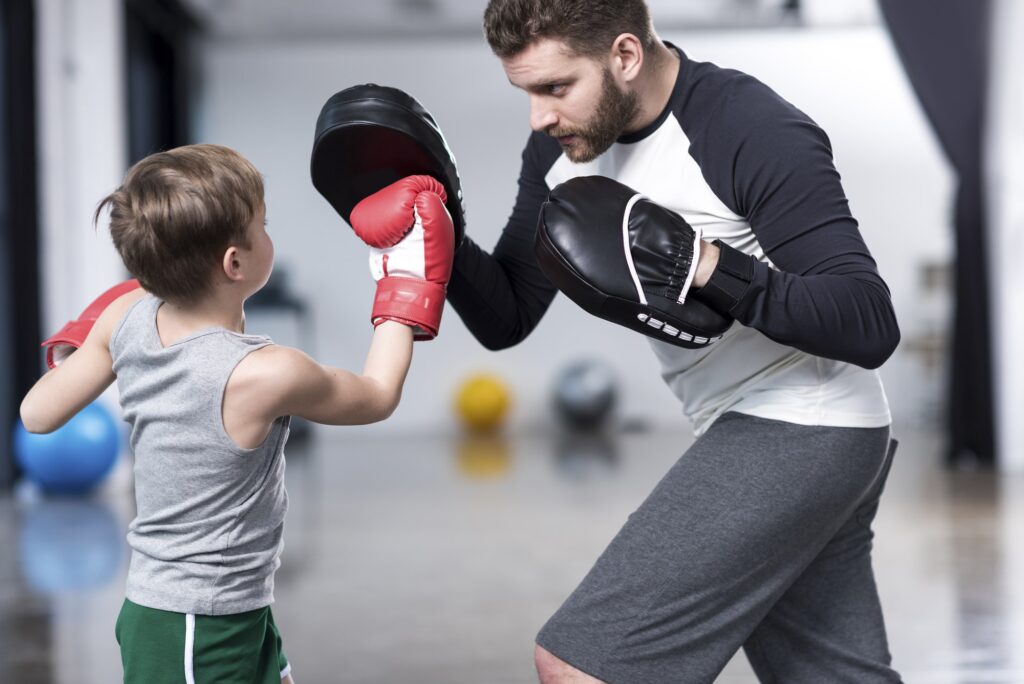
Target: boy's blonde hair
[(178, 211)]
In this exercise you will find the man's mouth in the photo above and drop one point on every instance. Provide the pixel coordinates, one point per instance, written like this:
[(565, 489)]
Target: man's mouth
[(566, 139)]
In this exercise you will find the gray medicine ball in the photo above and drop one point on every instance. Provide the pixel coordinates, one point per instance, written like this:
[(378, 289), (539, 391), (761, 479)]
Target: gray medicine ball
[(585, 394)]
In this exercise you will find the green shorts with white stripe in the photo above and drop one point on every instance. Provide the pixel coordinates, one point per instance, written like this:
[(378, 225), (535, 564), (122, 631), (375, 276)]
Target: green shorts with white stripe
[(160, 646)]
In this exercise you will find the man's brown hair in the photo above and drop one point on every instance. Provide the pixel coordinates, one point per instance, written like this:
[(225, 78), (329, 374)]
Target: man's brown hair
[(588, 27), (177, 212)]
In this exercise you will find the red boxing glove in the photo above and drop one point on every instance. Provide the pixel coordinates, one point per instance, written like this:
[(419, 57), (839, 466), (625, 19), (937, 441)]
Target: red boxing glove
[(73, 334), (412, 246)]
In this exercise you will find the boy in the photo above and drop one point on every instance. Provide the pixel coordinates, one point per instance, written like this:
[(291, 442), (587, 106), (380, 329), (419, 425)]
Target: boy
[(209, 408)]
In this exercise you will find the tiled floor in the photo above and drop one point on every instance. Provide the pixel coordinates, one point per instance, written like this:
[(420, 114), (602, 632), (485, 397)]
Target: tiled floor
[(436, 560)]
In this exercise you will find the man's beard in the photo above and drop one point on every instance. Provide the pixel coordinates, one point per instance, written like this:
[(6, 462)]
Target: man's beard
[(615, 110)]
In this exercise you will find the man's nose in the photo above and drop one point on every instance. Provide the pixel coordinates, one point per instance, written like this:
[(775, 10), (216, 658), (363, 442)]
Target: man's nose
[(542, 117)]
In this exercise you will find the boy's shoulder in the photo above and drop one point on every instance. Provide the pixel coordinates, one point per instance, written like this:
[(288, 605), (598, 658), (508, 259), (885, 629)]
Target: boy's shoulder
[(114, 313), (271, 376), (273, 361)]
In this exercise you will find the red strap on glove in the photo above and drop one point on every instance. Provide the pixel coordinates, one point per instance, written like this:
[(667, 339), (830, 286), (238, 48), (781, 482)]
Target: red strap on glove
[(69, 338)]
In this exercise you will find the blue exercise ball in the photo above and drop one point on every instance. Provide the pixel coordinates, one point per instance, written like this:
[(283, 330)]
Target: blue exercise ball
[(74, 458)]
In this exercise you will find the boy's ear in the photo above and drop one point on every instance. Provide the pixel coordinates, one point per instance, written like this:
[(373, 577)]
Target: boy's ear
[(231, 264)]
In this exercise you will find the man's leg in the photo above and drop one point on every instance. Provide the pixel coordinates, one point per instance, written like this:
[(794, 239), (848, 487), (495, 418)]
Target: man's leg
[(726, 532), (553, 670), (828, 626)]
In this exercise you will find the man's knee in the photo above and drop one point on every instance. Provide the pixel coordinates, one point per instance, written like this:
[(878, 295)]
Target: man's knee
[(546, 664), (553, 670)]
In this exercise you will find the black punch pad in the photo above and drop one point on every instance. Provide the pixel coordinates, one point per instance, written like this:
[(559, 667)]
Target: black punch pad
[(369, 136), (579, 247)]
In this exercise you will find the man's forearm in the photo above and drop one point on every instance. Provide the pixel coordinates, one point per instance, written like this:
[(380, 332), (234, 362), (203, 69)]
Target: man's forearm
[(843, 312), (500, 297)]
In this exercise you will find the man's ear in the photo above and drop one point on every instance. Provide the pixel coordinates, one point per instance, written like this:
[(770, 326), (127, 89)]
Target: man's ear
[(627, 57), (231, 264)]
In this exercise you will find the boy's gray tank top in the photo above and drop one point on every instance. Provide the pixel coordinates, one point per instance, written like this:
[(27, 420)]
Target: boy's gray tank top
[(208, 533)]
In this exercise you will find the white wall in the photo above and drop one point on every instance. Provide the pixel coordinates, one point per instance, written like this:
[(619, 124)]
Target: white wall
[(263, 99)]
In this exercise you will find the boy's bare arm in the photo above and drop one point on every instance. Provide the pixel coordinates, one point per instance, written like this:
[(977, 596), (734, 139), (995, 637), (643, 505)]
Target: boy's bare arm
[(71, 386), (297, 385)]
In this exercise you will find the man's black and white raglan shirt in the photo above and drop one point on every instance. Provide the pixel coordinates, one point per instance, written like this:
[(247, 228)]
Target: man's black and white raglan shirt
[(752, 171)]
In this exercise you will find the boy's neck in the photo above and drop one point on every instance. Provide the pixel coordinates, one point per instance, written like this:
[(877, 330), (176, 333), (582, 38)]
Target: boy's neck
[(210, 312)]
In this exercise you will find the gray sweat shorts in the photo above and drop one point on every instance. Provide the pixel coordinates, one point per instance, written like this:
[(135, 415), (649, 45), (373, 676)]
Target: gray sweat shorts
[(759, 538)]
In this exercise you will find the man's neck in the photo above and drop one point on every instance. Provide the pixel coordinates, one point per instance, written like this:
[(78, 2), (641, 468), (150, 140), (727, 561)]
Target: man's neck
[(656, 86)]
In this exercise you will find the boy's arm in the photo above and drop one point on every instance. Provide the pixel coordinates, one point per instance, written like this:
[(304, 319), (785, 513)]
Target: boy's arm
[(71, 386), (296, 385), (65, 341)]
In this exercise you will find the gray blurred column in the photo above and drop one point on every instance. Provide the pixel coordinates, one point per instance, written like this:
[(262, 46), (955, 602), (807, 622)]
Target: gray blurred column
[(1004, 152)]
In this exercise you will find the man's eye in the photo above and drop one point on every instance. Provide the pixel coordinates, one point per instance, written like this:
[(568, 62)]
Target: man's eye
[(557, 88)]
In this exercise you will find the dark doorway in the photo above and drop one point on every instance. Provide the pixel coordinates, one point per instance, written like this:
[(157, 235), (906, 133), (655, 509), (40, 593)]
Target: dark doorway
[(19, 221), (159, 68)]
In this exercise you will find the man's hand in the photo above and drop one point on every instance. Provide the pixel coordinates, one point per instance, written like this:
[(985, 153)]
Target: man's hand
[(706, 265)]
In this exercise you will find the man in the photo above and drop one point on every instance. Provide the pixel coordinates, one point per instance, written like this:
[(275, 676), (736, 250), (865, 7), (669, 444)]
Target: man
[(759, 537)]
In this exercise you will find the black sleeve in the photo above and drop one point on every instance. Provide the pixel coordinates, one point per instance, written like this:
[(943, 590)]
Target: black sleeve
[(773, 165), (502, 296)]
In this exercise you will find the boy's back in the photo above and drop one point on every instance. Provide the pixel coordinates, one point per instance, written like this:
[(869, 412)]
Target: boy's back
[(208, 532)]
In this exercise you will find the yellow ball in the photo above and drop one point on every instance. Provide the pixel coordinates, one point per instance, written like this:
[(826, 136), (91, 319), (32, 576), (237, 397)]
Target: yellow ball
[(482, 402)]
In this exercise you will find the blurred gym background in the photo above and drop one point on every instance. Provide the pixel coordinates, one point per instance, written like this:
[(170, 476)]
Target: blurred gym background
[(431, 547)]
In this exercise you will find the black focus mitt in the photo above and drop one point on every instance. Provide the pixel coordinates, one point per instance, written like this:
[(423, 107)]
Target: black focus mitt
[(369, 136), (626, 259)]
